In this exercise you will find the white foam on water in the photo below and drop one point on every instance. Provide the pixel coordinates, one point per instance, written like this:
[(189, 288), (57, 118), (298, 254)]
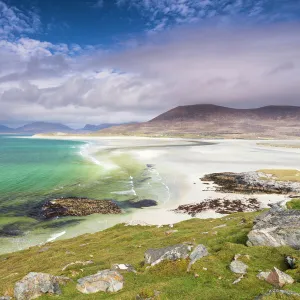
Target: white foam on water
[(55, 236), (86, 152)]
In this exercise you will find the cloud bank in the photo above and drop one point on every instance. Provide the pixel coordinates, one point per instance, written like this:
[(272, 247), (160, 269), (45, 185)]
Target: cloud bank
[(231, 66)]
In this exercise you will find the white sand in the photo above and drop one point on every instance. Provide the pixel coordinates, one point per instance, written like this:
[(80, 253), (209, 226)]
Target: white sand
[(179, 168)]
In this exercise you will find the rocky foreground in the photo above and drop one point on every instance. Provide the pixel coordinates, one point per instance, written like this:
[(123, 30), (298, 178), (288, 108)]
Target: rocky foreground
[(276, 227), (216, 268), (251, 183)]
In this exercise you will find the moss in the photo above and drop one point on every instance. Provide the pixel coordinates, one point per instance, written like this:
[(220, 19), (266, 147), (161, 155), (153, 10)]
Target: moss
[(282, 174), (121, 244)]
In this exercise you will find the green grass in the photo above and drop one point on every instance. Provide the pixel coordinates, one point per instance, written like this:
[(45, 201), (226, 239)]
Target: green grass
[(122, 244), (282, 174), (293, 204)]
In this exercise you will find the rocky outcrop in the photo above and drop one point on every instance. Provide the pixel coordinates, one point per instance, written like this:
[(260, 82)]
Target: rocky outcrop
[(221, 206), (250, 183), (78, 207), (155, 256), (34, 285), (276, 277), (139, 204), (276, 227), (103, 281), (199, 252)]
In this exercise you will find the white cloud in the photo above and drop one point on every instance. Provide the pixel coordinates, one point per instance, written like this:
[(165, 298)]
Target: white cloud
[(14, 21), (237, 67)]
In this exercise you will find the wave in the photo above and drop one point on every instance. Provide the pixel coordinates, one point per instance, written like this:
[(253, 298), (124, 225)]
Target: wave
[(55, 236)]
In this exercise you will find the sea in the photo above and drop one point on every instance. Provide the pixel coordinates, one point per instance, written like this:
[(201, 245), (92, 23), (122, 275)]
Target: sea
[(33, 171)]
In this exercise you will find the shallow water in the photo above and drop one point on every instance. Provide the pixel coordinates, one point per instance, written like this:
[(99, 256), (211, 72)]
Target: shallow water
[(33, 171)]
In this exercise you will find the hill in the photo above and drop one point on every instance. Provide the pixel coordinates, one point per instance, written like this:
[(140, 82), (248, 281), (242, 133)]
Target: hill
[(206, 120), (210, 277), (5, 129), (43, 127)]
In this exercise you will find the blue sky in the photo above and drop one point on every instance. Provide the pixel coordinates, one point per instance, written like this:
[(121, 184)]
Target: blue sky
[(94, 61)]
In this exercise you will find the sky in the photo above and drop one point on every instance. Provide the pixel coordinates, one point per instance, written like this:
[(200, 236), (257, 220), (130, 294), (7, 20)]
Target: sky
[(114, 61)]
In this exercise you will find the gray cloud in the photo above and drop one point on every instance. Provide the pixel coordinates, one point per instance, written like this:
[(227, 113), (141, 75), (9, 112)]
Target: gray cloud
[(287, 66), (184, 66)]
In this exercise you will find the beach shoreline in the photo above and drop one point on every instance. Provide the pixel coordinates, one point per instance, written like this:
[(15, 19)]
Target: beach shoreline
[(178, 164)]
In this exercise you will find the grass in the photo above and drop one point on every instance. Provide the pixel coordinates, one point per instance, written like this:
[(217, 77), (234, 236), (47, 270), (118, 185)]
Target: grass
[(282, 174), (293, 204), (121, 244)]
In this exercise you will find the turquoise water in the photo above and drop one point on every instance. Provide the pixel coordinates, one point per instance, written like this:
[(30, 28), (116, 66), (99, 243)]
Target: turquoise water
[(33, 171)]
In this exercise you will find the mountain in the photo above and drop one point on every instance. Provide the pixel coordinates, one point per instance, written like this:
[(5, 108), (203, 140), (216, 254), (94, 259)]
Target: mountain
[(207, 120), (43, 127), (5, 129), (89, 127)]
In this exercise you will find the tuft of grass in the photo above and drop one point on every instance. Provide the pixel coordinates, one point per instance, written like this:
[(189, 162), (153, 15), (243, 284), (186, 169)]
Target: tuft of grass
[(293, 204), (127, 244), (282, 174)]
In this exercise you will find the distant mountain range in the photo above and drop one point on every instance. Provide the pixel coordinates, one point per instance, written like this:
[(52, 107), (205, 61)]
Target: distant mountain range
[(203, 121), (206, 120), (44, 127)]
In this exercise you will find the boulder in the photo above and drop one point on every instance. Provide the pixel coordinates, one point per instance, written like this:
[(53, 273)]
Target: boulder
[(199, 252), (238, 267), (278, 294), (155, 256), (5, 298), (263, 275), (291, 261), (279, 278), (123, 267), (34, 285), (103, 281), (276, 227)]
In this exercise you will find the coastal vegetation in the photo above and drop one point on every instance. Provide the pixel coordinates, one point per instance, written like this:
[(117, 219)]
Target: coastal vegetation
[(209, 277), (281, 174)]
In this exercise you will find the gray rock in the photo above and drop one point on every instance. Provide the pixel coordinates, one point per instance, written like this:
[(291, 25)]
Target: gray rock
[(123, 267), (155, 256), (279, 278), (34, 285), (279, 293), (5, 298), (105, 281), (291, 261), (263, 275), (276, 227), (238, 267), (199, 252)]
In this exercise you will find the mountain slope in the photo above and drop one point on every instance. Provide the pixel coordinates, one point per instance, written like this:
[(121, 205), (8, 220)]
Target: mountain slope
[(5, 129), (42, 127), (206, 120)]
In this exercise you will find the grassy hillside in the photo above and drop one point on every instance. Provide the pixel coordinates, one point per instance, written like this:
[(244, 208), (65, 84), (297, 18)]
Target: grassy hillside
[(122, 244)]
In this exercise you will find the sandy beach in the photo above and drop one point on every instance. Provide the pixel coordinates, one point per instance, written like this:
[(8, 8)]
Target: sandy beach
[(180, 163), (171, 172)]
